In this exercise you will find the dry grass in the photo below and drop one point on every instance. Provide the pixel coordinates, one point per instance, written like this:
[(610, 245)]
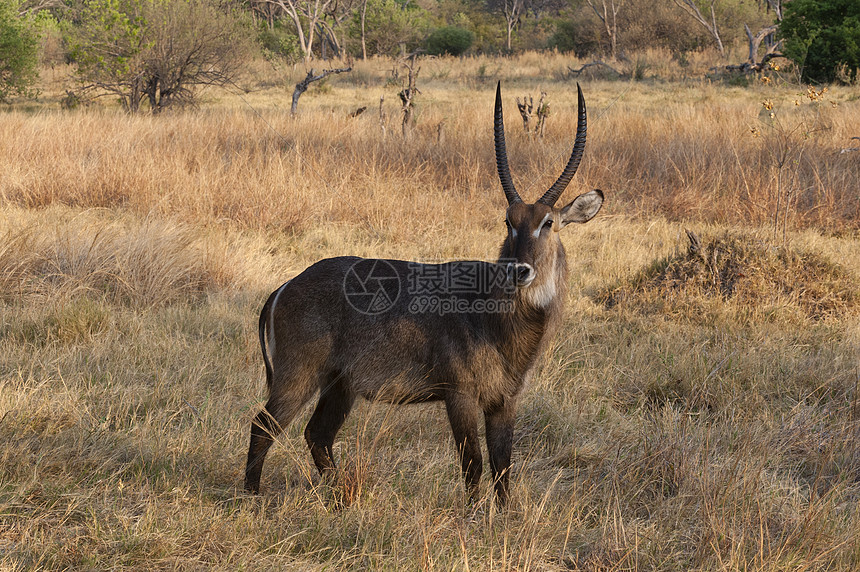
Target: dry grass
[(744, 272), (700, 430)]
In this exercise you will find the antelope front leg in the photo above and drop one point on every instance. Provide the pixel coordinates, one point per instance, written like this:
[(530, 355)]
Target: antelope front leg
[(499, 425), (463, 414)]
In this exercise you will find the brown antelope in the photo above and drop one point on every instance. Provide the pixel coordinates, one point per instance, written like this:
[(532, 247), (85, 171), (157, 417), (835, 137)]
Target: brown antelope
[(467, 333)]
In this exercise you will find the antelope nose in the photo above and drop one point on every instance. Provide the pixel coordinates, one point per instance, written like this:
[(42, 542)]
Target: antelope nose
[(525, 274)]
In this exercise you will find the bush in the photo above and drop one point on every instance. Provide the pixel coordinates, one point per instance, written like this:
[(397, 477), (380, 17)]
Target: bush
[(822, 37), (19, 52), (279, 42), (390, 25), (450, 40), (157, 51), (573, 36)]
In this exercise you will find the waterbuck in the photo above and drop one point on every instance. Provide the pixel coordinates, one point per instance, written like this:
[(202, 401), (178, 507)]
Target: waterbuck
[(467, 333)]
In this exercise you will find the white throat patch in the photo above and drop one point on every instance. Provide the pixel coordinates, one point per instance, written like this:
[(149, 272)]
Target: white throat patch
[(542, 295)]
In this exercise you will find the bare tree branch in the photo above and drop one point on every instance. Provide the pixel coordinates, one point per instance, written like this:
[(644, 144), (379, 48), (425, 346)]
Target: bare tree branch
[(512, 10), (303, 85), (690, 7), (33, 6), (608, 14), (312, 11)]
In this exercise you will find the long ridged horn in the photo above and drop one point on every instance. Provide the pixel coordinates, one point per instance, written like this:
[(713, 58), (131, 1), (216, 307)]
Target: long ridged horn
[(501, 155), (555, 191)]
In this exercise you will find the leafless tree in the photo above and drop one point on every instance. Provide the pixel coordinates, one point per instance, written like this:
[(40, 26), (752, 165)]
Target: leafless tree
[(363, 35), (178, 47), (513, 10), (303, 85), (765, 35), (776, 6), (265, 10), (312, 11), (607, 12), (692, 8), (408, 93), (527, 107), (317, 20)]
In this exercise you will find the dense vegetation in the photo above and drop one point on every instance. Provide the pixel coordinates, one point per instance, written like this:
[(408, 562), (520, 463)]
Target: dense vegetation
[(824, 37), (18, 51), (157, 53)]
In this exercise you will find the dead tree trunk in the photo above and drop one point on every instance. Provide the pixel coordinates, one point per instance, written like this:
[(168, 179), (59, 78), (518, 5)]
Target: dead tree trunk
[(596, 65), (512, 9), (542, 114), (407, 94), (526, 107), (608, 15), (691, 8), (363, 36), (303, 85), (752, 65), (382, 116), (440, 133)]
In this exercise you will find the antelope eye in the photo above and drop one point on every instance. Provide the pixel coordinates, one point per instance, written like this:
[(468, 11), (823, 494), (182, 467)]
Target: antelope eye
[(548, 223)]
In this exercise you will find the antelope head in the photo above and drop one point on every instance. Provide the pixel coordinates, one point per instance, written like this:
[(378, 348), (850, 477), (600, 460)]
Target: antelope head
[(532, 246)]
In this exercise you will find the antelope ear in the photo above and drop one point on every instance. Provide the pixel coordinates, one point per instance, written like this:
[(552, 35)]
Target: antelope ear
[(582, 208)]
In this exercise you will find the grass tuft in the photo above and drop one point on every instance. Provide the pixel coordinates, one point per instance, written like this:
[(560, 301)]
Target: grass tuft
[(745, 271)]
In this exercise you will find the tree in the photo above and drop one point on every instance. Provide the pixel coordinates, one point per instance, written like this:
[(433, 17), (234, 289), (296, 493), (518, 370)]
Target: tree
[(388, 25), (776, 6), (691, 7), (823, 37), (513, 9), (362, 22), (608, 14), (320, 19), (156, 50), (305, 14), (19, 51)]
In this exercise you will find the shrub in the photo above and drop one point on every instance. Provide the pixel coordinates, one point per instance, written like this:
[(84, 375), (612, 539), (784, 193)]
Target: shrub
[(158, 51), (822, 37), (279, 42), (19, 52), (390, 26), (450, 40), (576, 36)]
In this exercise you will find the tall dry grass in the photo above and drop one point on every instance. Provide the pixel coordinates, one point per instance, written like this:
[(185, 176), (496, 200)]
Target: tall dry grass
[(691, 152), (135, 253)]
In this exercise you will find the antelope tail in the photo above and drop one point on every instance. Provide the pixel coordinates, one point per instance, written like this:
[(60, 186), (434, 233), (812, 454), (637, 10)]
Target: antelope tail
[(264, 314)]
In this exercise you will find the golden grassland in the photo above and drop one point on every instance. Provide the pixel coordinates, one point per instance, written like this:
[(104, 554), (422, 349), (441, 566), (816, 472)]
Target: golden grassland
[(679, 426)]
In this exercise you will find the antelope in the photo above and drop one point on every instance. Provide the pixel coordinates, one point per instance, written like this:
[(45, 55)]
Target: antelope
[(348, 327)]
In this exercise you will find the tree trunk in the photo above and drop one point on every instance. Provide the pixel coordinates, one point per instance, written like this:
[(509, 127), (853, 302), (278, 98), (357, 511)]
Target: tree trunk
[(363, 36), (406, 96), (303, 85), (690, 7), (609, 17)]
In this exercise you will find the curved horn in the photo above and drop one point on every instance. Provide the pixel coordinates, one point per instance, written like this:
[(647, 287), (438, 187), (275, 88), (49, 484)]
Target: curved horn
[(554, 192), (501, 155)]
